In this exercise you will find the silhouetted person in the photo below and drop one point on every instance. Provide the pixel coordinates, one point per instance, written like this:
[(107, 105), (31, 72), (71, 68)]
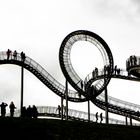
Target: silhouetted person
[(23, 112), (23, 57), (92, 92), (131, 60), (79, 95), (107, 69), (29, 112), (3, 108), (104, 69), (34, 112), (115, 69), (12, 109), (93, 74), (15, 55), (118, 71), (96, 72), (135, 60), (128, 63), (59, 110), (96, 115), (138, 113), (8, 54), (101, 117)]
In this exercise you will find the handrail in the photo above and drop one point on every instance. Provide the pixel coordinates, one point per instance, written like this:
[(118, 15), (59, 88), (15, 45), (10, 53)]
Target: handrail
[(51, 111), (73, 95)]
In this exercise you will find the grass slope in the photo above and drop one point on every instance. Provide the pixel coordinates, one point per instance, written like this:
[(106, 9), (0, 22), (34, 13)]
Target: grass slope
[(51, 129)]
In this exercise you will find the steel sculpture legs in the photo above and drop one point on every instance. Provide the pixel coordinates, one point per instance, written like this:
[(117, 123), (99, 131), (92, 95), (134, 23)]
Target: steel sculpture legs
[(106, 109), (88, 110), (22, 84)]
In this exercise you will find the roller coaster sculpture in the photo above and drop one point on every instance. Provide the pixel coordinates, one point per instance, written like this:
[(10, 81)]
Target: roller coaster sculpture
[(94, 84)]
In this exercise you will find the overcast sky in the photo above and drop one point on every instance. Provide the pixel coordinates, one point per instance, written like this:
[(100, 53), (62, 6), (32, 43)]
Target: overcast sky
[(39, 27)]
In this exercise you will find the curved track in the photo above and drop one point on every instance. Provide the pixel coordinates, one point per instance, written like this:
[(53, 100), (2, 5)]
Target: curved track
[(82, 94), (96, 82), (66, 66)]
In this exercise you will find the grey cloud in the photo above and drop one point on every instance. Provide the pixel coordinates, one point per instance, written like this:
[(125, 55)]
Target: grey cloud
[(136, 4), (128, 10)]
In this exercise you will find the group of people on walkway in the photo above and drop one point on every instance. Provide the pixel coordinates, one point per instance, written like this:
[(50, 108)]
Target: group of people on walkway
[(14, 54), (29, 112), (106, 71), (12, 108)]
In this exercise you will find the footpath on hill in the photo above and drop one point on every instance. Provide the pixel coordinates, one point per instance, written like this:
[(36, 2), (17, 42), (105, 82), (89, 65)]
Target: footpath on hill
[(53, 129)]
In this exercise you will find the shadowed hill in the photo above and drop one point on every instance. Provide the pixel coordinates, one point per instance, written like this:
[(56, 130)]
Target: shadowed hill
[(52, 129)]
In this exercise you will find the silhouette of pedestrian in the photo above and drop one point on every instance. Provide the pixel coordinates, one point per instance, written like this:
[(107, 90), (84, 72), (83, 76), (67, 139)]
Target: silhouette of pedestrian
[(105, 69), (96, 71), (15, 55), (96, 117), (8, 53), (115, 69), (3, 108), (118, 71), (59, 110), (93, 74), (79, 95), (131, 60), (23, 57), (34, 112), (101, 117), (29, 112), (12, 109), (23, 112)]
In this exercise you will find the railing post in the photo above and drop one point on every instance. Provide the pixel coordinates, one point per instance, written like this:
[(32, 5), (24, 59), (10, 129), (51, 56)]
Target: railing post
[(22, 85), (130, 120)]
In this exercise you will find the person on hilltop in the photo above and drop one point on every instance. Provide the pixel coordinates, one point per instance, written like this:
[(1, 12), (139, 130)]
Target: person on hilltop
[(34, 112), (3, 108), (23, 112), (12, 109)]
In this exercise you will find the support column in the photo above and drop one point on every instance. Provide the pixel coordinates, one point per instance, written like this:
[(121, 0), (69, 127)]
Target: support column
[(88, 110), (130, 120), (66, 93), (106, 109), (22, 87)]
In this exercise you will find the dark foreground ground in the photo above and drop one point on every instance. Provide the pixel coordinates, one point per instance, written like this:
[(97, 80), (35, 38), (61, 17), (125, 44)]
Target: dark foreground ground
[(51, 129)]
